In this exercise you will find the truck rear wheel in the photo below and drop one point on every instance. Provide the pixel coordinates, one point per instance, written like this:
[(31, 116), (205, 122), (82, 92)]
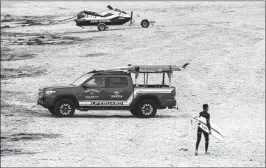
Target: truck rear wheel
[(64, 108), (146, 109)]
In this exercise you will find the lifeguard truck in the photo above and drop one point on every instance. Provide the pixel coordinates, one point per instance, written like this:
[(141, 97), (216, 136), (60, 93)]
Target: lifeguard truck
[(114, 89)]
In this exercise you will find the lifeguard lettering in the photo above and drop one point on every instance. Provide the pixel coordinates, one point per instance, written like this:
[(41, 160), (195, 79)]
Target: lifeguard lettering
[(107, 103)]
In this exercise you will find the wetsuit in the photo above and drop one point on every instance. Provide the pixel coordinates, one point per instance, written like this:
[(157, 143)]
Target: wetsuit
[(206, 115)]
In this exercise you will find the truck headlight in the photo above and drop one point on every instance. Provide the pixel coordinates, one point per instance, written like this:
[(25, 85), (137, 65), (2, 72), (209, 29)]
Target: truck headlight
[(49, 92)]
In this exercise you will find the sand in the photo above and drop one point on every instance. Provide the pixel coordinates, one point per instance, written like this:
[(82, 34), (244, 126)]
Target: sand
[(224, 42)]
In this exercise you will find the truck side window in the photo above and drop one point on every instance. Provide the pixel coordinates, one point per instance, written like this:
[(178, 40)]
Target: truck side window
[(116, 82), (96, 82)]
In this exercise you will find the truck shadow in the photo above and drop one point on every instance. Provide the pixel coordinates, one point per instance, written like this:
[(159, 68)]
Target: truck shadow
[(101, 116), (80, 115), (119, 116)]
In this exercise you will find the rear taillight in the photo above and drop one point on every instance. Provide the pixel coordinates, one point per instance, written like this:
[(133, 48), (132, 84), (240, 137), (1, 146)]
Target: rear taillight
[(173, 93)]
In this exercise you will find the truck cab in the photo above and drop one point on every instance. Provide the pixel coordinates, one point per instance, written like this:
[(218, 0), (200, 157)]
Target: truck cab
[(112, 89)]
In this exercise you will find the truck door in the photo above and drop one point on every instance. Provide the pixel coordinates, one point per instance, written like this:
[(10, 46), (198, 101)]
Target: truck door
[(94, 89), (119, 88)]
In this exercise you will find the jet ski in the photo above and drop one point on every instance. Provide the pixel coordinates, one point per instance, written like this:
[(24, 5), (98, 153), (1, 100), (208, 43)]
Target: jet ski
[(110, 17)]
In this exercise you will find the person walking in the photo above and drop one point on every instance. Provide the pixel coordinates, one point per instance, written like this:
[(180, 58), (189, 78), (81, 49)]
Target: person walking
[(206, 115)]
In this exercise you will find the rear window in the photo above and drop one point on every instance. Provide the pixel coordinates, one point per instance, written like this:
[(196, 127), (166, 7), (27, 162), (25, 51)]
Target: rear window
[(116, 82)]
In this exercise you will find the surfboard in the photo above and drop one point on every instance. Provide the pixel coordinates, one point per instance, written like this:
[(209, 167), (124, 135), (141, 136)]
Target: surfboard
[(202, 123)]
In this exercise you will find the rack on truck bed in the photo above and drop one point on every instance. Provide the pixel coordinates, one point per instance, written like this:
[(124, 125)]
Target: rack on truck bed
[(146, 70)]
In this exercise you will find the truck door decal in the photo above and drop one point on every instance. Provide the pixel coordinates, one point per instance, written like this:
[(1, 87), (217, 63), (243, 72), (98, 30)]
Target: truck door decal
[(91, 94), (116, 95)]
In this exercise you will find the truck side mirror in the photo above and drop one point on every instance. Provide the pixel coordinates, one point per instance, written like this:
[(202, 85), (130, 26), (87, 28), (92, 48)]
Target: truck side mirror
[(85, 85)]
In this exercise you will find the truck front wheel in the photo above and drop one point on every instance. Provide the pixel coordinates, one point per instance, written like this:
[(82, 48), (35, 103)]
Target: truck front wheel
[(147, 108), (64, 108)]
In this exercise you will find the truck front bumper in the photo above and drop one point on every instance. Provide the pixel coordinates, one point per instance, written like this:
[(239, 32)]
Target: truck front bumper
[(45, 102), (42, 103), (169, 103)]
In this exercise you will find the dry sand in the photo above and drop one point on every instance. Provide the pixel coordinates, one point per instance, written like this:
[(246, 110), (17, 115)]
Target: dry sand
[(224, 42)]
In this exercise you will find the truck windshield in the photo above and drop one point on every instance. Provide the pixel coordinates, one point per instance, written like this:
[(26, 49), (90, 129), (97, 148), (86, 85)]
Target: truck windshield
[(81, 79)]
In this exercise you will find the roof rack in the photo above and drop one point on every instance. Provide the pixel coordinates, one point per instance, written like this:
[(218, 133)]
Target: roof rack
[(146, 69), (142, 69), (149, 68), (108, 72)]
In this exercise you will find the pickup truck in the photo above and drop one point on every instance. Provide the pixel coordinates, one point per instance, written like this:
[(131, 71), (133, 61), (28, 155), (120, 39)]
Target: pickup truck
[(112, 89)]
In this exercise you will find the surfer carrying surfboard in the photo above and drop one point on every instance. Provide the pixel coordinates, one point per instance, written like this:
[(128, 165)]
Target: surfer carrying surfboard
[(206, 115)]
